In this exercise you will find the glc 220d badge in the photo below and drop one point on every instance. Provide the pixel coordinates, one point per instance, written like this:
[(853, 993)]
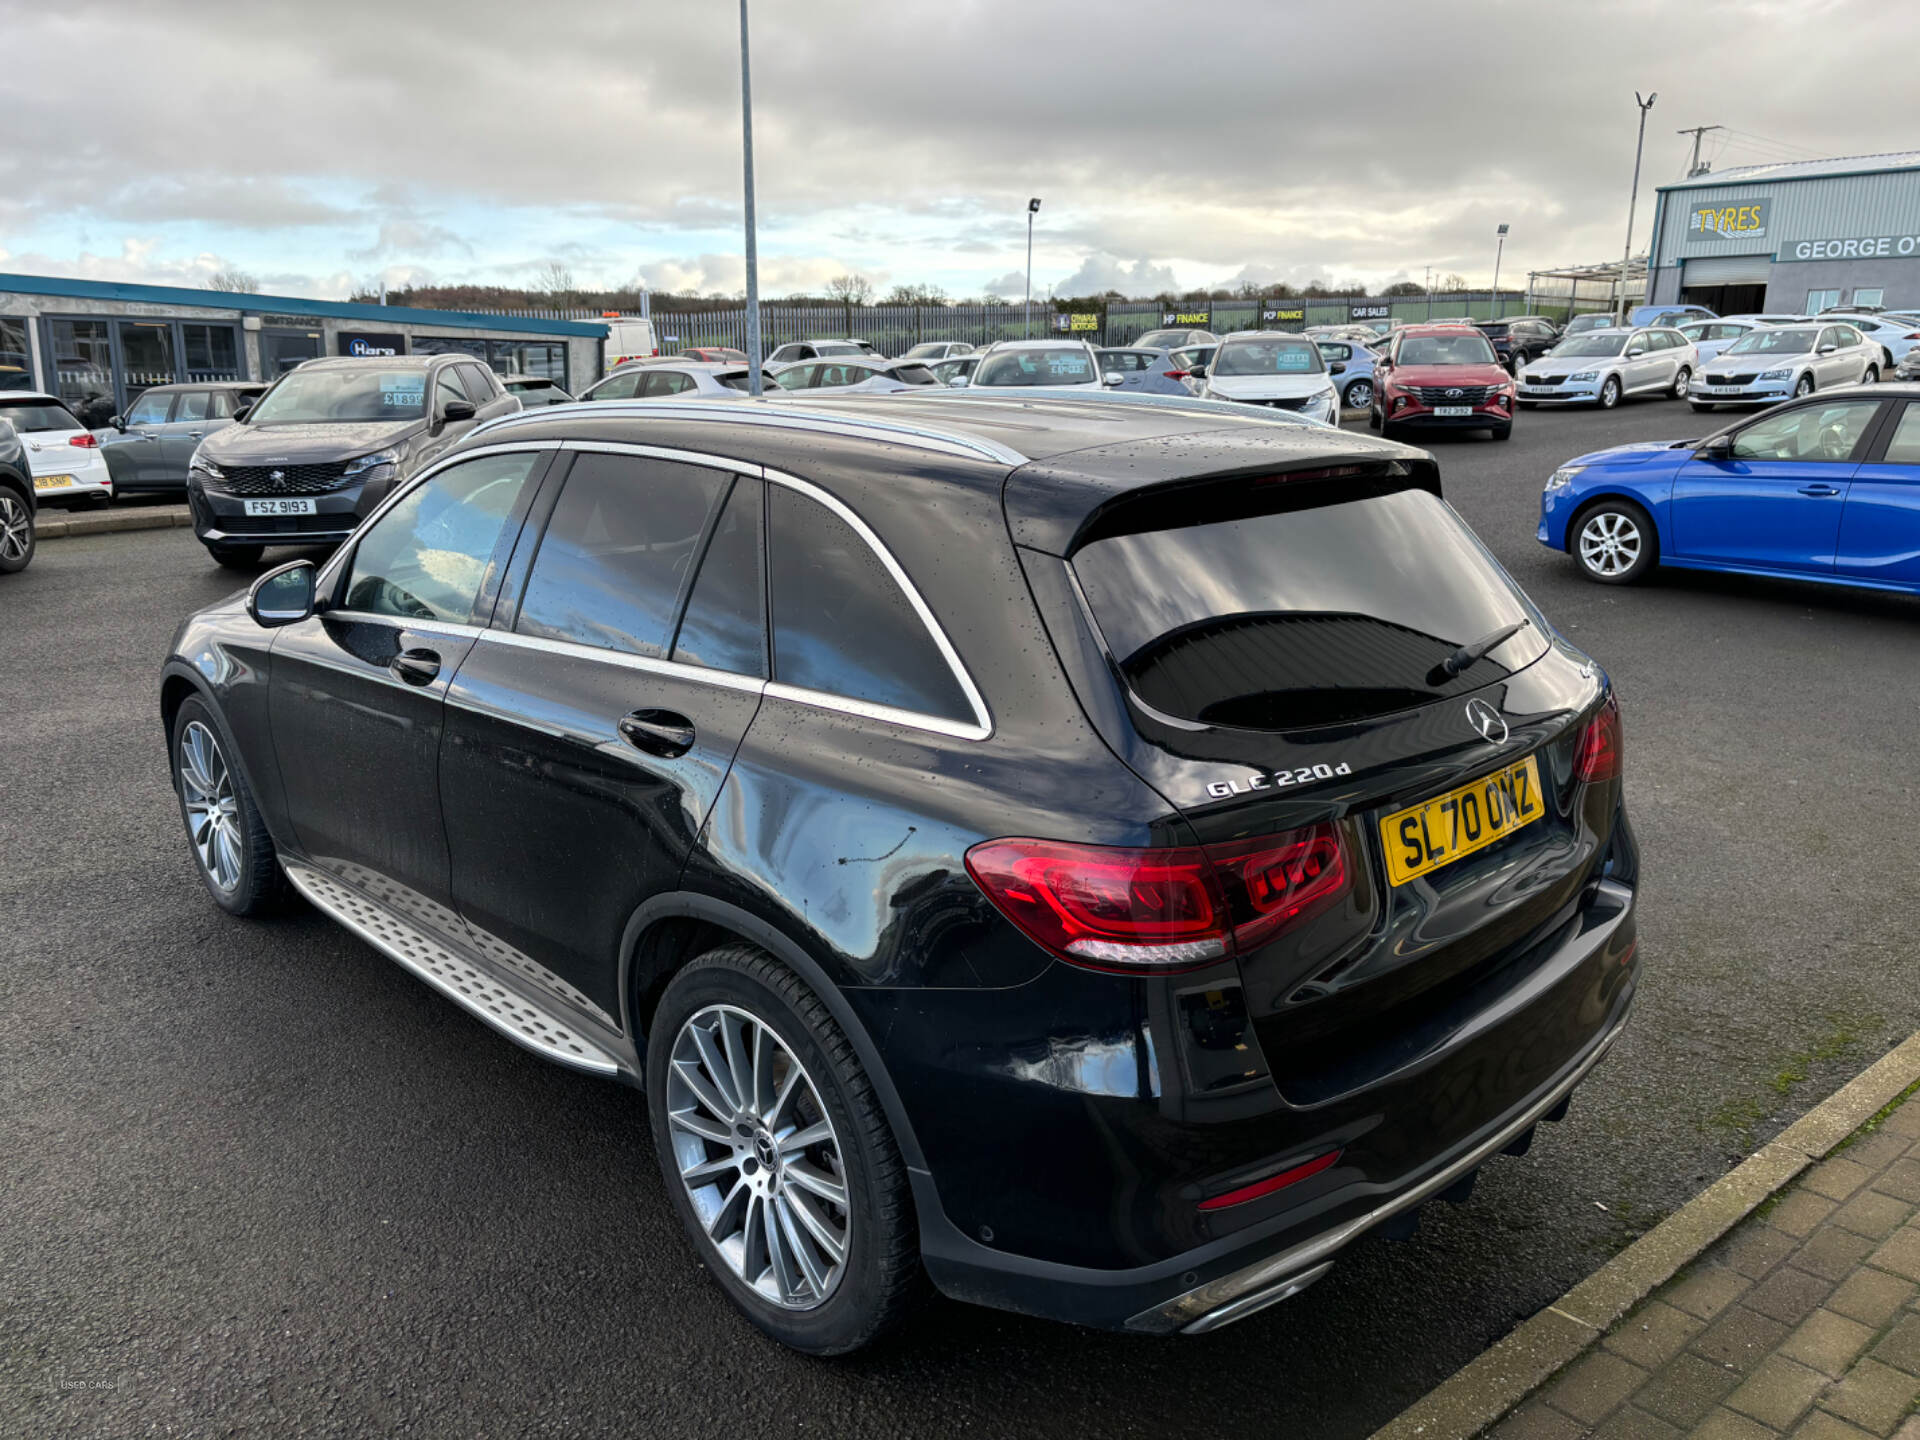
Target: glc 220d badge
[(1305, 775)]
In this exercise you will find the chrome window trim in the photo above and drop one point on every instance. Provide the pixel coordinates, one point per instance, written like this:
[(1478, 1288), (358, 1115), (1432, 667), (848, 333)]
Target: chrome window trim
[(331, 569), (675, 669), (982, 717), (660, 452), (747, 411)]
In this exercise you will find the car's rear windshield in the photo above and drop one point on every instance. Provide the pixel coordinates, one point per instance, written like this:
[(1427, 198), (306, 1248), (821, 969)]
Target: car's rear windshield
[(1036, 367), (1466, 348), (914, 375), (1773, 342), (29, 415), (1310, 616), (1268, 357), (324, 397)]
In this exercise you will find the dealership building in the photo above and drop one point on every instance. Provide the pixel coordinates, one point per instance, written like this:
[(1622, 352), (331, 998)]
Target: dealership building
[(97, 344), (1799, 237)]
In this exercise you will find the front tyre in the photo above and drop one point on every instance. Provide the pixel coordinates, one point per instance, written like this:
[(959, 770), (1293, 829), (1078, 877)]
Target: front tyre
[(230, 842), (1872, 377), (1804, 388), (1503, 432), (1615, 542), (1610, 392), (778, 1155)]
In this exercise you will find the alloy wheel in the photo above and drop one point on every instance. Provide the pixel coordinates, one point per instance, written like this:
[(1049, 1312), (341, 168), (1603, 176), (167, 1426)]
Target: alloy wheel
[(1805, 387), (1610, 393), (759, 1157), (1682, 383), (1359, 395), (1609, 543), (213, 812), (16, 529)]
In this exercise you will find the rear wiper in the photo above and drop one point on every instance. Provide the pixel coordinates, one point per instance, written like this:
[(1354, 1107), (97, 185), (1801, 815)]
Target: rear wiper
[(1468, 655)]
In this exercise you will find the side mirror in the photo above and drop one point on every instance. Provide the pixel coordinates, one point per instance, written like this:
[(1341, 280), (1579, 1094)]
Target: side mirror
[(283, 596), (1634, 352), (119, 422), (1198, 372), (457, 410), (959, 382), (1828, 349), (1338, 367), (240, 415), (1112, 378), (1720, 447)]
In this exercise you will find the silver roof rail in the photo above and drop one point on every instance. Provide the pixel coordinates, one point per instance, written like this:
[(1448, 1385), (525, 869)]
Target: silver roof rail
[(773, 414)]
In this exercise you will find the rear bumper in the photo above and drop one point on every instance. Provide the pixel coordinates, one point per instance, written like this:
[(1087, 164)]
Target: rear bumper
[(1430, 1128)]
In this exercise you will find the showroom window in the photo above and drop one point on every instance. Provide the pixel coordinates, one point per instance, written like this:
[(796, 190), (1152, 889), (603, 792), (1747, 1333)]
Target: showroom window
[(1818, 300), (1870, 297), (446, 345), (16, 360), (82, 353), (212, 352)]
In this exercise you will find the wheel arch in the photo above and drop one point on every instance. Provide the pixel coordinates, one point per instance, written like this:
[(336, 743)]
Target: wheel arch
[(669, 930), (1654, 512)]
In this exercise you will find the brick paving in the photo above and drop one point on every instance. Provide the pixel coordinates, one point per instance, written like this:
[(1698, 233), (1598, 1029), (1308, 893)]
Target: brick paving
[(1803, 1322)]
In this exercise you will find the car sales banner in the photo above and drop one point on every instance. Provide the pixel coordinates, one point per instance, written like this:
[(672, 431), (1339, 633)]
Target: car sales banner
[(1370, 310)]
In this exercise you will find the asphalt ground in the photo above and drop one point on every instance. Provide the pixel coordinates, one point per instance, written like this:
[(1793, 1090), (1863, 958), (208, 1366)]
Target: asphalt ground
[(254, 1179)]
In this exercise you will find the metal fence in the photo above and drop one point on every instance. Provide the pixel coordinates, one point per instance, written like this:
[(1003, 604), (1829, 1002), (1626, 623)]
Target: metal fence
[(893, 329)]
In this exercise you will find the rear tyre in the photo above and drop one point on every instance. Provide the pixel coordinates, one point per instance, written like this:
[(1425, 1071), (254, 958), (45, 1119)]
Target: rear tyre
[(229, 840), (17, 538), (1682, 383), (1610, 392), (1359, 395), (1614, 542), (236, 557), (778, 1156)]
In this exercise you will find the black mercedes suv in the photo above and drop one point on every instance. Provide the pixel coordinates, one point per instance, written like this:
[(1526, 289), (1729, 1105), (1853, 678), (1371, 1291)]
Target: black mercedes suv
[(312, 457), (1101, 856)]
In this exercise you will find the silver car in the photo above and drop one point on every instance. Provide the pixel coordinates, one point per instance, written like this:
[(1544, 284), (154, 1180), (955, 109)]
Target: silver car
[(931, 350), (1603, 367), (697, 379), (1782, 361), (957, 371), (1034, 364), (859, 374), (818, 349)]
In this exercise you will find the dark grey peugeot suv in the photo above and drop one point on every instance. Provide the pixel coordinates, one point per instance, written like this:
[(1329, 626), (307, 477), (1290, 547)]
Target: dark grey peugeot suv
[(318, 451), (1097, 856)]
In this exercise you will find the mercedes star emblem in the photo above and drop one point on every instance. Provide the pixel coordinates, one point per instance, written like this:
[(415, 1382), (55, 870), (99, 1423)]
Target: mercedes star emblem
[(1485, 719)]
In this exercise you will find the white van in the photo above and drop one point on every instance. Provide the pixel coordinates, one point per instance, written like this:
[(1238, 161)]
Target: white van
[(629, 338)]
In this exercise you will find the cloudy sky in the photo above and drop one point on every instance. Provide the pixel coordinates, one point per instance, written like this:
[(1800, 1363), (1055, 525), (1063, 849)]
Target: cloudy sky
[(1175, 142)]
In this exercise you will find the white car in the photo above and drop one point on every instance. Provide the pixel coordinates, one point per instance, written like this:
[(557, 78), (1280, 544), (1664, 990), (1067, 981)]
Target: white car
[(854, 374), (63, 454), (1035, 364), (1265, 367), (1779, 361), (1603, 367), (930, 350), (1710, 337), (818, 349), (695, 379), (1894, 334)]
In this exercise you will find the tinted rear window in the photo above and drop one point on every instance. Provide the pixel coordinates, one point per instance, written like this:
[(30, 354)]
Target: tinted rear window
[(42, 415), (1312, 616)]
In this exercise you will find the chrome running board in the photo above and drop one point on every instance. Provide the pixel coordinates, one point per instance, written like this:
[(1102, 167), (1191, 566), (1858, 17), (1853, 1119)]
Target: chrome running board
[(459, 979)]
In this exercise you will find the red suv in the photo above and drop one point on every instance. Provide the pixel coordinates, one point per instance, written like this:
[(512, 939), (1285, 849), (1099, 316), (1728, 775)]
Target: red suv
[(1441, 377)]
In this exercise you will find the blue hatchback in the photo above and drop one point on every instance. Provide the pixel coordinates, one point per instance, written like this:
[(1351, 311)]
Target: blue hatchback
[(1825, 488)]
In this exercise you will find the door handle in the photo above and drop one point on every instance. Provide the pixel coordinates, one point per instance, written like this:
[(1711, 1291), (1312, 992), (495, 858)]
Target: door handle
[(195, 434), (1818, 489), (416, 667), (665, 733)]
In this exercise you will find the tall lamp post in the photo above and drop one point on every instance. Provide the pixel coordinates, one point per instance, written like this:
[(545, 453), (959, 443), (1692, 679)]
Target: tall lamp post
[(1500, 244), (753, 256), (1633, 198), (1033, 209)]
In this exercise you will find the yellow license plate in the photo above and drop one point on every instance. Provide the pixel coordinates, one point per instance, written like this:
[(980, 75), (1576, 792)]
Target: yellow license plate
[(52, 482), (1439, 831)]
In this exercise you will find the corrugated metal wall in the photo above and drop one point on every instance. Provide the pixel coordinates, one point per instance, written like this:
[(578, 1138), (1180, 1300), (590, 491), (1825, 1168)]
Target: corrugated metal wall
[(1816, 208)]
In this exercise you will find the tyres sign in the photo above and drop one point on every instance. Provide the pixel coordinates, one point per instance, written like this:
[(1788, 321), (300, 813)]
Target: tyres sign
[(1730, 220)]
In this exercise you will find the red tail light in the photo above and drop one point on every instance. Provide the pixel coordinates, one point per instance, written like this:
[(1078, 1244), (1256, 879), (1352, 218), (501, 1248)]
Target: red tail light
[(85, 442), (1601, 745), (1272, 1183), (1175, 374), (1113, 908)]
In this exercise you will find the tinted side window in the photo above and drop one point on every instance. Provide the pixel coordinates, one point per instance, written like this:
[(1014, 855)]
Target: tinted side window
[(427, 556), (224, 403), (666, 382), (150, 409), (446, 391), (617, 551), (1904, 448), (726, 622), (841, 625), (479, 387)]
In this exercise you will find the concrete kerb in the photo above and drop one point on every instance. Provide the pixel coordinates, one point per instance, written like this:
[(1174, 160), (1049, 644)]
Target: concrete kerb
[(159, 518), (1487, 1388)]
